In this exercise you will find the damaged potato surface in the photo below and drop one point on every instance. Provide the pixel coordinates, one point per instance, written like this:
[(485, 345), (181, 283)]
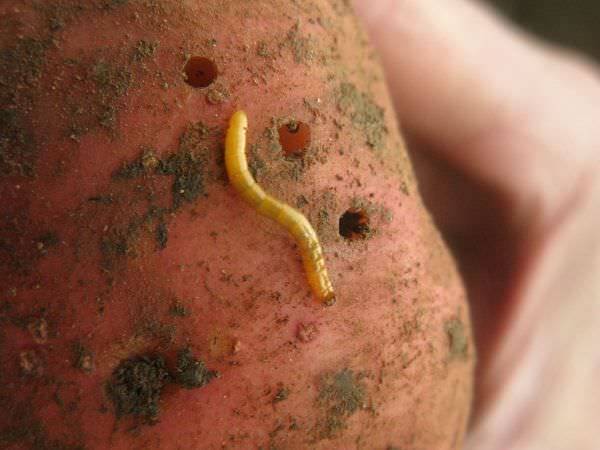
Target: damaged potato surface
[(145, 305)]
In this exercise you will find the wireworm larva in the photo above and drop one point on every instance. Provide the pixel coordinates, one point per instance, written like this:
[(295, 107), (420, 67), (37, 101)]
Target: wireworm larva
[(293, 221)]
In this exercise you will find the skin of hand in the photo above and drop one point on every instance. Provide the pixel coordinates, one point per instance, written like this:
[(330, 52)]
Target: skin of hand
[(505, 138)]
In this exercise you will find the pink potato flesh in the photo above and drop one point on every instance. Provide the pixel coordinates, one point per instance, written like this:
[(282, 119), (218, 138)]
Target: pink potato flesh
[(144, 305)]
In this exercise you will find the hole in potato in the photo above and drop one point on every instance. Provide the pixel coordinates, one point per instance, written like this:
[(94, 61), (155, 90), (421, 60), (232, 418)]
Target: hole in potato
[(354, 224), (200, 72), (294, 138)]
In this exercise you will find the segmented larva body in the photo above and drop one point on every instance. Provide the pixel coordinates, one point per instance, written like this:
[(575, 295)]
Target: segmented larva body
[(293, 220)]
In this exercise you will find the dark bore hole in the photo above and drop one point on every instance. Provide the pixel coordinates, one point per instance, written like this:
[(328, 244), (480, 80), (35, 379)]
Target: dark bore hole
[(294, 138), (354, 224), (200, 72)]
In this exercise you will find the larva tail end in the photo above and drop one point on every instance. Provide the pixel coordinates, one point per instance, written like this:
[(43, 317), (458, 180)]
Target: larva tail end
[(329, 299)]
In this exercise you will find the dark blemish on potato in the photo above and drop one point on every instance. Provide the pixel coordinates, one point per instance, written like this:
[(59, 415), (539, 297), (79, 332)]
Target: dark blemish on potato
[(354, 224), (307, 332), (23, 243), (342, 7), (112, 4), (17, 145), (83, 358), (31, 364), (364, 114), (146, 164), (22, 63), (59, 15), (21, 66), (38, 329), (294, 138), (104, 80), (144, 50), (457, 339), (46, 241), (200, 72), (282, 394), (301, 201), (341, 395), (188, 165), (27, 430), (192, 373), (162, 235), (262, 49), (188, 185), (188, 168), (178, 309), (119, 242), (136, 385), (111, 80), (404, 188), (56, 21)]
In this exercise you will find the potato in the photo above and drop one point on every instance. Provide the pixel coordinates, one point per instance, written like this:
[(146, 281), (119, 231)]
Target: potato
[(145, 305)]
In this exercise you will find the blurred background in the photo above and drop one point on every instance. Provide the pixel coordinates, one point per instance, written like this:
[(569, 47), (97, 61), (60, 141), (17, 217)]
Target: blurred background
[(574, 23)]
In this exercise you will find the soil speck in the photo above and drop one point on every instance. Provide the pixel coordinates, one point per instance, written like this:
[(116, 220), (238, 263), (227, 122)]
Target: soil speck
[(190, 372), (307, 332), (136, 385)]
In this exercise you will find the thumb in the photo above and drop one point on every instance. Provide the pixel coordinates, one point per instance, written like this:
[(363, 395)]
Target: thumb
[(489, 100)]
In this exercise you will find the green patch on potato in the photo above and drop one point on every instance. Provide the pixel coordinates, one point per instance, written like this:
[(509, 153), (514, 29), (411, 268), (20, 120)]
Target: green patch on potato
[(303, 48), (178, 309), (458, 341), (341, 395), (190, 372), (364, 113)]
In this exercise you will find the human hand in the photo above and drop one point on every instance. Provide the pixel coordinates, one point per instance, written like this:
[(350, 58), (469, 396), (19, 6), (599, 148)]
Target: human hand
[(506, 145)]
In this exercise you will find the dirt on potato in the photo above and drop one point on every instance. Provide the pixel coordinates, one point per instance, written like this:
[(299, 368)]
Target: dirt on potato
[(145, 305), (341, 395)]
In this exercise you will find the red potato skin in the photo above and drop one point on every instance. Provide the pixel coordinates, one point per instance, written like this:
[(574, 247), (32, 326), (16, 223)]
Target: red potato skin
[(107, 257)]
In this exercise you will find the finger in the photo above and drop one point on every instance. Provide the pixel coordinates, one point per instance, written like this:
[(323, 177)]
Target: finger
[(542, 390), (503, 108)]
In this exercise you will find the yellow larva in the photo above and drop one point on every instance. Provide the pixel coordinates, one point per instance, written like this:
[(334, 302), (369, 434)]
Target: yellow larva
[(293, 220)]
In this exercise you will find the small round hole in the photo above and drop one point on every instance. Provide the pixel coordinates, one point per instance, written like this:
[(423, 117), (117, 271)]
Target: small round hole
[(294, 138), (354, 224), (200, 72)]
